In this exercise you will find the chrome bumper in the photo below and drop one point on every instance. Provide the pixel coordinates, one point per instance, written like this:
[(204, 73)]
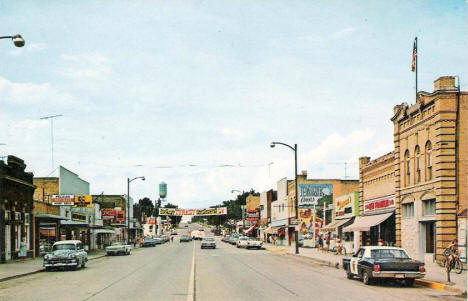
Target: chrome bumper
[(60, 264), (398, 275)]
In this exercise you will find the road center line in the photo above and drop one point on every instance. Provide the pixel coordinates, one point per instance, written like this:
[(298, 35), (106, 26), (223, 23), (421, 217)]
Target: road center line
[(191, 286)]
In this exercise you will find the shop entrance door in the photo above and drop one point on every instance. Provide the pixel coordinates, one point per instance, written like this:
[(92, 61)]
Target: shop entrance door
[(7, 242), (430, 237)]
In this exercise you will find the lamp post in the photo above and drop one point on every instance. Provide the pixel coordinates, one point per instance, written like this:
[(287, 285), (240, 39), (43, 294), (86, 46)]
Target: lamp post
[(296, 232), (242, 208), (128, 205), (17, 39)]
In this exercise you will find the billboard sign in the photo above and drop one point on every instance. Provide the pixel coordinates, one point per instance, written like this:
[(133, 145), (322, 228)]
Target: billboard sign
[(253, 215), (346, 206), (315, 194), (113, 215), (63, 200), (380, 205), (83, 201), (198, 212)]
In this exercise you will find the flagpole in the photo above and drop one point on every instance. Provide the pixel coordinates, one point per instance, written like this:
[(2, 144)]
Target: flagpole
[(416, 66)]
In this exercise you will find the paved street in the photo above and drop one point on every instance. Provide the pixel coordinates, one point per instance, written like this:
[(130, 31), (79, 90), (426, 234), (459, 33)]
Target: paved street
[(182, 271)]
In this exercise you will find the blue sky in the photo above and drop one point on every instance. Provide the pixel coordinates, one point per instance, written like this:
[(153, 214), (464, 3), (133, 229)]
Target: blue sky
[(149, 87)]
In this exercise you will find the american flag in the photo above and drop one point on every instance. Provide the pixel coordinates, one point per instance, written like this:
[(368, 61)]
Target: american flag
[(415, 54)]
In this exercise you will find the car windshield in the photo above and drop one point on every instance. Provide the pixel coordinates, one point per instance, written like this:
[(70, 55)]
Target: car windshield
[(64, 247), (118, 243), (388, 254), (242, 238), (209, 239), (147, 239), (253, 239)]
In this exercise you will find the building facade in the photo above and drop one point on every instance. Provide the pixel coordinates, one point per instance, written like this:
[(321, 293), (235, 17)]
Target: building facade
[(16, 208), (430, 140)]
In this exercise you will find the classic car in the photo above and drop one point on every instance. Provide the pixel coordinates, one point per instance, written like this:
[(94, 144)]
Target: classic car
[(254, 243), (208, 242), (148, 242), (378, 262), (66, 254), (233, 239), (118, 247), (242, 242), (184, 238)]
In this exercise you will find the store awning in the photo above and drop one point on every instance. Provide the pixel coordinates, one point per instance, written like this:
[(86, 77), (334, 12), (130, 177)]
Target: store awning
[(363, 223), (334, 225), (104, 231), (49, 216)]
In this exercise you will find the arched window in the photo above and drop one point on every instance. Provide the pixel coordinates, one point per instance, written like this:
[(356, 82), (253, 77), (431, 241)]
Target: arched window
[(428, 161), (407, 168), (417, 164)]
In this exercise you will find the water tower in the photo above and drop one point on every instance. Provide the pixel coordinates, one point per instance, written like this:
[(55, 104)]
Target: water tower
[(162, 190)]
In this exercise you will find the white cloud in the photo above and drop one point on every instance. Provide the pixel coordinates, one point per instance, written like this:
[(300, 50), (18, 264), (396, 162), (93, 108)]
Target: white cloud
[(86, 66), (228, 132), (343, 33), (31, 94), (30, 47)]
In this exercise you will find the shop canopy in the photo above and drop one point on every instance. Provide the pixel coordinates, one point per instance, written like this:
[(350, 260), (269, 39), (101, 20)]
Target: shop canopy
[(334, 225), (364, 223)]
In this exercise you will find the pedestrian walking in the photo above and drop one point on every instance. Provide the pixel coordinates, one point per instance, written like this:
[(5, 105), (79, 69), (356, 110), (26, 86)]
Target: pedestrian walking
[(22, 253), (172, 238), (320, 242)]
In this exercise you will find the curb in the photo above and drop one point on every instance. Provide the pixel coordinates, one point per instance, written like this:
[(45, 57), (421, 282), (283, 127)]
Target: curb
[(427, 283)]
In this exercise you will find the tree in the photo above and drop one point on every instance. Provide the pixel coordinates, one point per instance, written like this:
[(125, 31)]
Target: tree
[(146, 206)]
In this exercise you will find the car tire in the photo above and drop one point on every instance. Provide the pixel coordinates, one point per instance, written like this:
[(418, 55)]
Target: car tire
[(366, 278), (108, 254), (409, 282), (83, 264), (349, 275)]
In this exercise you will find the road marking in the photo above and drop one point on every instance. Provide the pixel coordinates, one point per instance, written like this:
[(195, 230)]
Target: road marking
[(191, 286)]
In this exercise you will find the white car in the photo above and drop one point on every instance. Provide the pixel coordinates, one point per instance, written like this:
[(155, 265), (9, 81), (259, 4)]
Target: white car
[(208, 242), (118, 247), (254, 243), (242, 242)]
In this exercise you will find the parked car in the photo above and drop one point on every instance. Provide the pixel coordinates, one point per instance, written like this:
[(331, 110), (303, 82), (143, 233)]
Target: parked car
[(148, 242), (381, 262), (158, 240), (208, 242), (254, 243), (184, 238), (66, 254), (174, 232), (233, 239), (242, 242), (225, 238), (118, 247), (165, 238)]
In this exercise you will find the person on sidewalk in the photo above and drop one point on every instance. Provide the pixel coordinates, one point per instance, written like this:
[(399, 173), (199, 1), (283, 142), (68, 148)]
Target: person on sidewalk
[(453, 250), (22, 253), (320, 242)]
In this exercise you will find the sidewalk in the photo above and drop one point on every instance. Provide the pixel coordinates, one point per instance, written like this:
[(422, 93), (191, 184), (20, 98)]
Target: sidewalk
[(436, 277), (18, 268)]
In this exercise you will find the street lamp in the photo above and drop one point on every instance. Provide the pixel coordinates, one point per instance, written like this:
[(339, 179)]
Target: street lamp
[(242, 208), (128, 205), (296, 233), (17, 40)]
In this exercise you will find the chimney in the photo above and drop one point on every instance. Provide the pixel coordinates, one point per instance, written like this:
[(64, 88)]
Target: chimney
[(444, 83)]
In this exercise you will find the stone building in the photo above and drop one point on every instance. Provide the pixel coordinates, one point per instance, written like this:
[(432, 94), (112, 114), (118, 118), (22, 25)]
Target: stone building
[(16, 206), (430, 140)]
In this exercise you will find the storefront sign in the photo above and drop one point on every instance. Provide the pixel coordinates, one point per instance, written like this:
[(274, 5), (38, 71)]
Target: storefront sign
[(151, 221), (346, 205), (198, 212), (83, 201), (385, 204), (253, 215), (113, 215), (314, 194), (63, 200)]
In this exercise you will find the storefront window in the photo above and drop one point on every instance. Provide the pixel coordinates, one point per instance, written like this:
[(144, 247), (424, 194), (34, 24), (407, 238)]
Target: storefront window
[(428, 161), (429, 207), (408, 210)]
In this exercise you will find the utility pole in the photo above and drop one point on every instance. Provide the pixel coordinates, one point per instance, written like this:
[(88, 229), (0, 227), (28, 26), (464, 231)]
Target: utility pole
[(51, 117)]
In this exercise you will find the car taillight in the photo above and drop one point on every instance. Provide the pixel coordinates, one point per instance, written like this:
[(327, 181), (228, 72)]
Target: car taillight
[(376, 268), (422, 269)]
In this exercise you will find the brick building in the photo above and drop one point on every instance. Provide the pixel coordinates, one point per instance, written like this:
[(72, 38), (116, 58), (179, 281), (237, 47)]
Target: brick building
[(16, 206), (430, 140)]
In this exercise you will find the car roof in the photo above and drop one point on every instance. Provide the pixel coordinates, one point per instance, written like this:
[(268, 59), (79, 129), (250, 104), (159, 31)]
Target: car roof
[(382, 247), (63, 242)]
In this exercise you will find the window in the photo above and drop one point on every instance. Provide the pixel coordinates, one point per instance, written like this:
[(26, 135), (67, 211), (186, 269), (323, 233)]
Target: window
[(408, 210), (417, 164), (428, 161), (429, 207), (407, 168)]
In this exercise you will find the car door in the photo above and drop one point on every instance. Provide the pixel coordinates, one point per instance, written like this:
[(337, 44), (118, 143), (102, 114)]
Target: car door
[(355, 261)]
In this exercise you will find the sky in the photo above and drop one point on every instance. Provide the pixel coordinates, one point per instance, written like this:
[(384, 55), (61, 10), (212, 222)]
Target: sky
[(192, 92)]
